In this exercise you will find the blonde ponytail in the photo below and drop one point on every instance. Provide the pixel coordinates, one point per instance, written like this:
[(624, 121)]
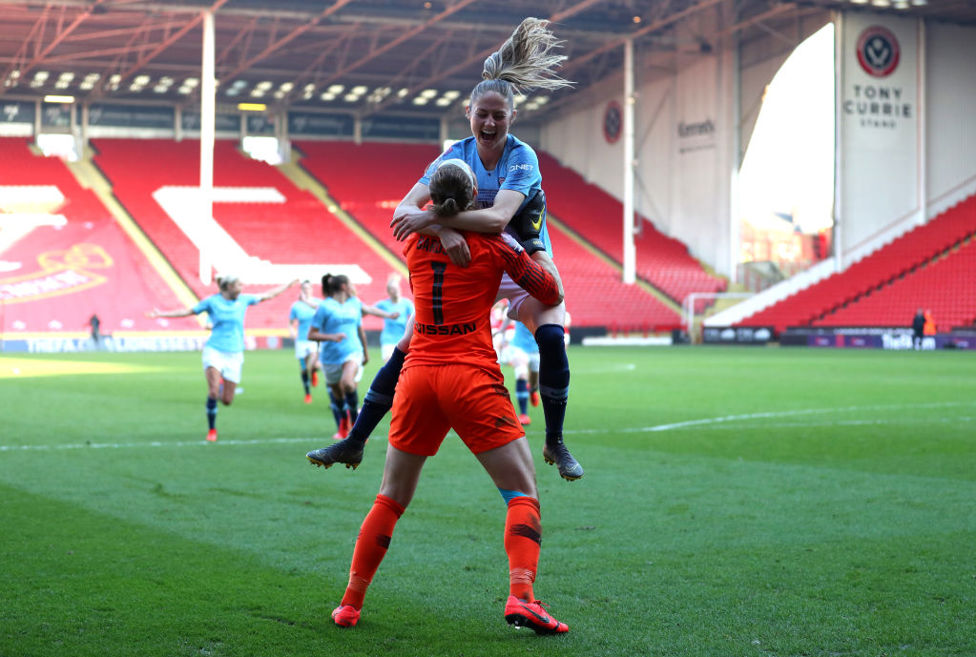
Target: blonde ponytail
[(525, 60), (523, 63)]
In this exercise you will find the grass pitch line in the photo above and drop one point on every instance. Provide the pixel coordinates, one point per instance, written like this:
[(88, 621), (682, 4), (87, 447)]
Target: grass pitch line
[(703, 423), (745, 416), (711, 421), (157, 443)]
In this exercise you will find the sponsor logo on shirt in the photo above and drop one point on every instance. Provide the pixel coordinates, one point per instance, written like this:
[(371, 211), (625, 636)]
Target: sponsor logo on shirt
[(445, 329)]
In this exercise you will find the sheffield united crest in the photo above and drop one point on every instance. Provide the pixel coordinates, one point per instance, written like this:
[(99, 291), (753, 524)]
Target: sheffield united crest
[(878, 51)]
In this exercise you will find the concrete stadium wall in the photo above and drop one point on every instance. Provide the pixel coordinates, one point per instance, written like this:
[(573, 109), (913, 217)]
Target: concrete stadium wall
[(951, 75), (684, 141), (922, 159)]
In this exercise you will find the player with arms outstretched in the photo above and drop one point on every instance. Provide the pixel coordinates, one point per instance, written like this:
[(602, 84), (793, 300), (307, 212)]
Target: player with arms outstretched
[(223, 353)]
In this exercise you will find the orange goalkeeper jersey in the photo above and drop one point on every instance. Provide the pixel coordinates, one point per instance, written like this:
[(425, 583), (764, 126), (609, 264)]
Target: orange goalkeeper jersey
[(453, 304)]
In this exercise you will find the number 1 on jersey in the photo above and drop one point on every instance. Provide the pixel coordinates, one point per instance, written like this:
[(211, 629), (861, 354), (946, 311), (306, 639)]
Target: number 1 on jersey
[(437, 292)]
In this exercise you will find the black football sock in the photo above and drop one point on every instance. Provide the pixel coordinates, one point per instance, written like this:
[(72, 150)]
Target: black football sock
[(212, 412), (553, 379), (379, 399)]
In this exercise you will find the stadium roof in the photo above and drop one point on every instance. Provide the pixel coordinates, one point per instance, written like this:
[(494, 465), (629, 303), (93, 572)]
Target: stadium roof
[(362, 56)]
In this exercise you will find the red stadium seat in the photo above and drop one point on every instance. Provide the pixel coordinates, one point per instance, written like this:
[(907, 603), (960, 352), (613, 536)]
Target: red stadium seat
[(299, 231), (886, 287), (662, 261), (369, 179)]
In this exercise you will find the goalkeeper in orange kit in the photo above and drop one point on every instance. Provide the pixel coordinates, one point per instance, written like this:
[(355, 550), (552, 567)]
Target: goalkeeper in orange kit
[(451, 379)]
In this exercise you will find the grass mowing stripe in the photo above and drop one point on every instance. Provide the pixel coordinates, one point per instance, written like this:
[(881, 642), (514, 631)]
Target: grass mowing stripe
[(308, 440), (802, 534), (720, 423), (83, 583)]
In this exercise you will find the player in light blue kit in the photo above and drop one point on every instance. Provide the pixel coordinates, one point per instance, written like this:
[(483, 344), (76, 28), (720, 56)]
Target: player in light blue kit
[(522, 353), (223, 353), (510, 198), (306, 351), (393, 329), (338, 326)]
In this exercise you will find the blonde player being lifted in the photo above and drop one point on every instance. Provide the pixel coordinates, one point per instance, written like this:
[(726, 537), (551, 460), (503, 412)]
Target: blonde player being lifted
[(510, 199)]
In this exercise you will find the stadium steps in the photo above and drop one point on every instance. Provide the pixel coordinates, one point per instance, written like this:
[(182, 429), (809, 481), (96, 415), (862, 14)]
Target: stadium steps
[(661, 260), (306, 182), (942, 285), (824, 302), (90, 177), (349, 173), (368, 179), (71, 229), (278, 225), (613, 264)]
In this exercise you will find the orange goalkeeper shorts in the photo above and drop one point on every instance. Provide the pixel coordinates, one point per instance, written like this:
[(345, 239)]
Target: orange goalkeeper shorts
[(472, 400)]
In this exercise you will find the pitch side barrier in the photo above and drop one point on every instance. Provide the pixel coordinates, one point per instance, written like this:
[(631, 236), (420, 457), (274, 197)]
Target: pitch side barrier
[(133, 343), (756, 336), (891, 338)]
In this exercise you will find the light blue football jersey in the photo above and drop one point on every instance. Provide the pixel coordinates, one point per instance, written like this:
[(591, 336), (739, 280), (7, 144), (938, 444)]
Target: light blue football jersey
[(227, 318), (518, 170), (334, 317)]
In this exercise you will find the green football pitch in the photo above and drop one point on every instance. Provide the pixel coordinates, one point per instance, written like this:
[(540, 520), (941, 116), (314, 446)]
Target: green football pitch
[(752, 501)]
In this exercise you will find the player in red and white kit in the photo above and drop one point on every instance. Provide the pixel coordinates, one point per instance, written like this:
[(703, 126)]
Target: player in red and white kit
[(451, 379)]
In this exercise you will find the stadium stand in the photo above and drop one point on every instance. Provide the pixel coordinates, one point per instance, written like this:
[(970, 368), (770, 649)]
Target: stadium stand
[(299, 230), (19, 166), (943, 285), (596, 297), (868, 293), (63, 256), (662, 261), (368, 180)]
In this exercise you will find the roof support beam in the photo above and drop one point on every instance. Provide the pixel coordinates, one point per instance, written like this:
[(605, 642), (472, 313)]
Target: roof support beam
[(401, 39), (17, 63), (312, 71), (647, 30), (119, 32), (154, 50), (176, 36), (58, 38), (478, 57), (128, 48), (242, 34), (288, 38), (655, 26)]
